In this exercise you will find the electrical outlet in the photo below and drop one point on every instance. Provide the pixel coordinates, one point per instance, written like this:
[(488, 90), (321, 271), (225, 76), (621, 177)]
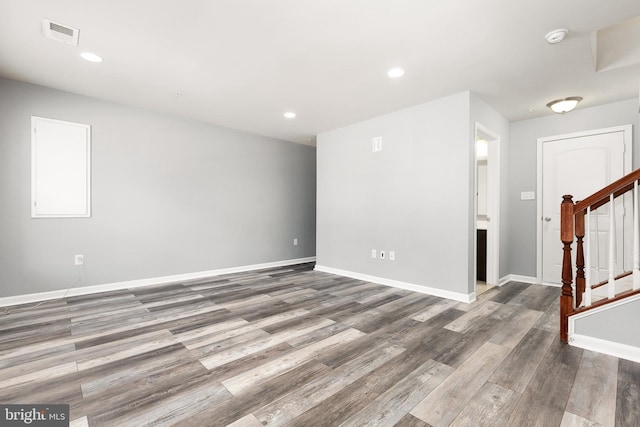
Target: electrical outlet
[(79, 260), (382, 255), (392, 255), (374, 253), (295, 242)]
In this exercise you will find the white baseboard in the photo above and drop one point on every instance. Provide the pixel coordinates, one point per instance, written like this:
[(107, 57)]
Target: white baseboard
[(517, 278), (553, 285), (611, 348), (43, 296), (456, 296)]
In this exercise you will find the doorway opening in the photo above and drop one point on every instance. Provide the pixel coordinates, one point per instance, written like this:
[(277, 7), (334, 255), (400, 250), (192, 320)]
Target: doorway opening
[(487, 207)]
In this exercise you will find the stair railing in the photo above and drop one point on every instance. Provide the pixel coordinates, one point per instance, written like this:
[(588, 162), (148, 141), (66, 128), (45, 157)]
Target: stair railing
[(573, 218)]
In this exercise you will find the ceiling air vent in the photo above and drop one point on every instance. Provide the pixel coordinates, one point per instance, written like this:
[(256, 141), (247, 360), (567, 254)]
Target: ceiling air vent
[(59, 32)]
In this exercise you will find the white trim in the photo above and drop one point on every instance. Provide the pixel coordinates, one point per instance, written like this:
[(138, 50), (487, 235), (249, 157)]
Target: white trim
[(517, 278), (493, 228), (86, 213), (539, 211), (553, 285), (43, 296), (628, 147), (456, 296), (613, 129), (611, 348)]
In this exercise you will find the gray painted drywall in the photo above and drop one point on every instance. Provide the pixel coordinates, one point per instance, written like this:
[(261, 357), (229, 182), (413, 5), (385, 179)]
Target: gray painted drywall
[(486, 116), (522, 170), (413, 197), (617, 324), (169, 196)]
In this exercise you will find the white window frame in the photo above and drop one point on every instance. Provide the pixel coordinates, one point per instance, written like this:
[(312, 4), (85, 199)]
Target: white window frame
[(79, 163)]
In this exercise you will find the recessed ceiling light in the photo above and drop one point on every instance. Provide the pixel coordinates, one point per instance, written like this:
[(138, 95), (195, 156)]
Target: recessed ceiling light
[(556, 36), (290, 115), (395, 72), (565, 105), (91, 57)]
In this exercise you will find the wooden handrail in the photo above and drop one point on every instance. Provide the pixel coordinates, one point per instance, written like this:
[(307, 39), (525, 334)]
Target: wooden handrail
[(572, 225), (597, 304), (601, 197), (618, 277)]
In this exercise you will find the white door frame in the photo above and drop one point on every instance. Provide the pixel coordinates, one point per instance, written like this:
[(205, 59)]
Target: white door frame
[(493, 205), (625, 129)]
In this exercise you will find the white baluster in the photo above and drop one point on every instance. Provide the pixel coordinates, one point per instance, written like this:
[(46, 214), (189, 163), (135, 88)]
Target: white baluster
[(636, 239), (587, 287), (597, 246), (612, 248)]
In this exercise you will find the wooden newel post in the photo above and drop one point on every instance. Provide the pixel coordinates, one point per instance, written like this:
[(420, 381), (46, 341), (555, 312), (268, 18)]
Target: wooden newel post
[(566, 235), (580, 279)]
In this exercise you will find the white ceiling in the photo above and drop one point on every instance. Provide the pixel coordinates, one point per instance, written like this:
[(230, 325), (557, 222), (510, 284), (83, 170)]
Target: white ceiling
[(243, 63)]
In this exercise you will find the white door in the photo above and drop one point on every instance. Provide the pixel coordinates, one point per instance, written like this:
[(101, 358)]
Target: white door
[(581, 164)]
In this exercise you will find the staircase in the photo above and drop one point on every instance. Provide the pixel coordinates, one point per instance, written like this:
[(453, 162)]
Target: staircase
[(582, 221)]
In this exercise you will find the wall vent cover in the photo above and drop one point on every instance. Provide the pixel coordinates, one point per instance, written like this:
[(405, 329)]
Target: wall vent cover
[(62, 33)]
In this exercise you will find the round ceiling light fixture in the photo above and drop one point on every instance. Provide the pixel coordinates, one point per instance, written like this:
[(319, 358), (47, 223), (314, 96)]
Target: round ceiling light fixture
[(396, 72), (556, 36), (91, 57), (565, 105), (290, 115)]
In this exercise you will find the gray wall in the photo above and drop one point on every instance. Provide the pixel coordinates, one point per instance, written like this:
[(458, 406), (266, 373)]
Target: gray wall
[(413, 197), (522, 170), (169, 196), (616, 324)]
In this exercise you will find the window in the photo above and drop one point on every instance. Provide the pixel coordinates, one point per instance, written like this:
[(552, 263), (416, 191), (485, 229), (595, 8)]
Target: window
[(60, 169)]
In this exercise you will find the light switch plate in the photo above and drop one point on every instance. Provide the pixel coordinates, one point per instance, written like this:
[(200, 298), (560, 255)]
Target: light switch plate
[(376, 144), (528, 195)]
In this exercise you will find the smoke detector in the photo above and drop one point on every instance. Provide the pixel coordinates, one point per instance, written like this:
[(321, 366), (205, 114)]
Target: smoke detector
[(62, 33), (556, 36)]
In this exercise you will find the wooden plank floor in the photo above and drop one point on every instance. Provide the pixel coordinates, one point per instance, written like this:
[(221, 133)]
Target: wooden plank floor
[(293, 347)]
